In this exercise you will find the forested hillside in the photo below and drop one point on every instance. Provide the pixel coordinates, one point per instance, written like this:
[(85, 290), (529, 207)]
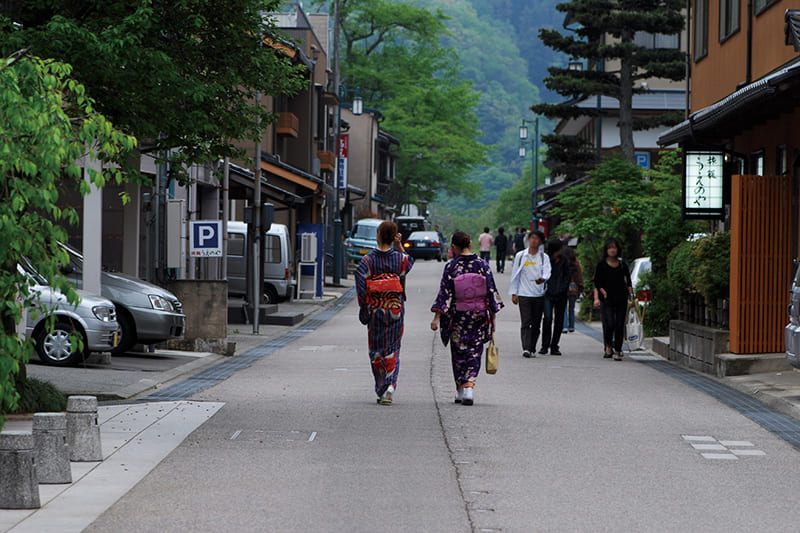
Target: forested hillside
[(501, 54)]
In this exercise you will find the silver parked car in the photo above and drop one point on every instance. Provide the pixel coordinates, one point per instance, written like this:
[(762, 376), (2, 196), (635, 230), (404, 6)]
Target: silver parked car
[(792, 330), (93, 319), (147, 313)]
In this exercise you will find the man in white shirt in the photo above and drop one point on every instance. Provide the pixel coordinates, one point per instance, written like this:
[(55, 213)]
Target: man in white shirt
[(530, 272)]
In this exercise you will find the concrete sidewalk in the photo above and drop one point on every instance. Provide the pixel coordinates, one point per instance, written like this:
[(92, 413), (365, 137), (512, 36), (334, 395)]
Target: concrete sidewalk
[(123, 378)]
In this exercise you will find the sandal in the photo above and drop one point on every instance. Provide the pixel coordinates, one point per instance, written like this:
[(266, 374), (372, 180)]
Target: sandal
[(607, 355)]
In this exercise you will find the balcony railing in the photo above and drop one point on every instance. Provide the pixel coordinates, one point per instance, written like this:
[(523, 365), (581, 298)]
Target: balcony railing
[(288, 124)]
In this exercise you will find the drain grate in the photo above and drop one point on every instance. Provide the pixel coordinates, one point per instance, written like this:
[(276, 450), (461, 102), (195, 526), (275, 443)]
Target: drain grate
[(225, 369)]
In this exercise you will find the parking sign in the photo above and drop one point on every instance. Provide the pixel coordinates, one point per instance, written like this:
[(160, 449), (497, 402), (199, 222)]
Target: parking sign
[(205, 238)]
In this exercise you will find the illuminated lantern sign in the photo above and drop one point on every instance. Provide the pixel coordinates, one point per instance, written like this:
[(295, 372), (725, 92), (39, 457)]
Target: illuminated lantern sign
[(703, 185)]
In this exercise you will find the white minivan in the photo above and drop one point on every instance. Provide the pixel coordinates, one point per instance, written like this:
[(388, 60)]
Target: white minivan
[(276, 270)]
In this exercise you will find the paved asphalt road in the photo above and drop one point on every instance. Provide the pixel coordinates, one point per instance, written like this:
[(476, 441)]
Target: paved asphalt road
[(571, 443)]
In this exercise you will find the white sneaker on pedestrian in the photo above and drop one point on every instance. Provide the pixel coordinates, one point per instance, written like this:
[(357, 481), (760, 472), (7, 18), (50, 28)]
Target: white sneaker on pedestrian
[(386, 399), (459, 395), (467, 397)]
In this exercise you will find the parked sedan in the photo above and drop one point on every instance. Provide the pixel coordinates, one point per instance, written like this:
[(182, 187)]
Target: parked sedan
[(93, 320), (424, 245), (147, 313)]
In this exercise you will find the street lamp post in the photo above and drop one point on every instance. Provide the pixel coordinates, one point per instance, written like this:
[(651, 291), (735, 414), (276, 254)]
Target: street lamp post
[(358, 108), (523, 136)]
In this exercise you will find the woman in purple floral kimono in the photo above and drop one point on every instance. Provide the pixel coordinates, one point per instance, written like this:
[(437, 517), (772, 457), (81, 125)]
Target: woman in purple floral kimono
[(466, 305)]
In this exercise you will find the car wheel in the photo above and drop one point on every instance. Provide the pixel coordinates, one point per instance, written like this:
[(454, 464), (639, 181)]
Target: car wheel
[(270, 295), (127, 333), (54, 347)]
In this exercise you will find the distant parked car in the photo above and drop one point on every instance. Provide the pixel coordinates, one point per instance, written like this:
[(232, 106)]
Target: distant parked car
[(423, 245), (362, 238), (93, 320), (276, 270), (792, 330), (639, 267), (407, 225), (147, 313)]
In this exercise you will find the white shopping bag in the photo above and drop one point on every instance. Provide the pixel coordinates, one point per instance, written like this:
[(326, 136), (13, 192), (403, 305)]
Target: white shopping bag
[(634, 330)]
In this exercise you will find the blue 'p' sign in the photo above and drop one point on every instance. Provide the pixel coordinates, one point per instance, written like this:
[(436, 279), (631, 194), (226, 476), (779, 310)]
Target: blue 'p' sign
[(205, 238)]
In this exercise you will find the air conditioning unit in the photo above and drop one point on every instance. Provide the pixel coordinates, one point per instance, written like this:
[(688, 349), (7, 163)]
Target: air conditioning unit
[(308, 248)]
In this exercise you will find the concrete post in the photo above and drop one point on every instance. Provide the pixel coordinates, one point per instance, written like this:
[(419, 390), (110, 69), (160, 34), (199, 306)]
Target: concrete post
[(19, 486), (50, 448), (83, 431)]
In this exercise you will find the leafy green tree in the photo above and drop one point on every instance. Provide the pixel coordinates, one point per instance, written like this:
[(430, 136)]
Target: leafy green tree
[(391, 51), (613, 202), (49, 123), (603, 32), (174, 73)]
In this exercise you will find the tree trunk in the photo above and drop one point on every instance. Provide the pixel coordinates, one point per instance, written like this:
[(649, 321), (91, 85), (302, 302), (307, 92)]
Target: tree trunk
[(626, 110)]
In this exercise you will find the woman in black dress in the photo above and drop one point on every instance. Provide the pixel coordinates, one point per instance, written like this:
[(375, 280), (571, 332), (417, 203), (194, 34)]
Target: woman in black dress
[(612, 292)]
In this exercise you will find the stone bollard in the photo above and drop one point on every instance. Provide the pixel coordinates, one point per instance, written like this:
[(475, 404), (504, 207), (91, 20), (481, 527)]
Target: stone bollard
[(50, 448), (19, 486), (83, 431)]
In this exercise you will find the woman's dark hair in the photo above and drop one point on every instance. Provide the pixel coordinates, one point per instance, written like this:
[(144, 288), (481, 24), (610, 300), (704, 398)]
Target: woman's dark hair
[(486, 230), (460, 240), (554, 245), (611, 241), (386, 232), (500, 230), (569, 253)]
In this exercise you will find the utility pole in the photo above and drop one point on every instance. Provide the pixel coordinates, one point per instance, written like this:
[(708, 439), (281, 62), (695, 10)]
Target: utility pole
[(337, 218)]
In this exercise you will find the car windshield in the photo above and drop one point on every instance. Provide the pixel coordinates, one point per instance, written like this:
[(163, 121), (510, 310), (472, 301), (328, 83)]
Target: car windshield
[(424, 236), (365, 231), (75, 259), (28, 268)]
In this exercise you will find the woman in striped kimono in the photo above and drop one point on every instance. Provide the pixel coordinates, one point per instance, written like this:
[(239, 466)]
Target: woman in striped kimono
[(380, 284), (466, 306)]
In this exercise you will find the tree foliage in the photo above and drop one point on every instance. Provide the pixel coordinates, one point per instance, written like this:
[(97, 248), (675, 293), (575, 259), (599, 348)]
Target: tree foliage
[(49, 124), (613, 202), (174, 73), (603, 32), (392, 53)]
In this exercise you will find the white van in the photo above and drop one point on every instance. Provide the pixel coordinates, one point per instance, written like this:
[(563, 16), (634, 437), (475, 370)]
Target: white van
[(276, 269)]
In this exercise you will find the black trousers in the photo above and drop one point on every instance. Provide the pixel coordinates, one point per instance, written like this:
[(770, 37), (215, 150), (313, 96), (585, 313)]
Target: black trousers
[(614, 324), (530, 314), (551, 329), (501, 260)]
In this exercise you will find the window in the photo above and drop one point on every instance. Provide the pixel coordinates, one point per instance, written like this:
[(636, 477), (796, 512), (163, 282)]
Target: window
[(728, 18), (700, 29), (236, 244), (761, 5), (272, 249), (781, 163), (655, 41), (757, 163)]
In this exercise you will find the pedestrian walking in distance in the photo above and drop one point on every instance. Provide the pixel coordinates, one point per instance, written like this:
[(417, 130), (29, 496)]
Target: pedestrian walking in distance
[(575, 289), (465, 308), (501, 243), (485, 240), (612, 292), (519, 240), (529, 273), (380, 285), (555, 298)]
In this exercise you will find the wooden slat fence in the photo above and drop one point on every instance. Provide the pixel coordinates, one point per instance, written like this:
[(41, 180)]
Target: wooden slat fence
[(761, 209)]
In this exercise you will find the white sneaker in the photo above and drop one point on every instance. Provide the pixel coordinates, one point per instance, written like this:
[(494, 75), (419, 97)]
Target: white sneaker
[(459, 395), (386, 399), (466, 399)]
